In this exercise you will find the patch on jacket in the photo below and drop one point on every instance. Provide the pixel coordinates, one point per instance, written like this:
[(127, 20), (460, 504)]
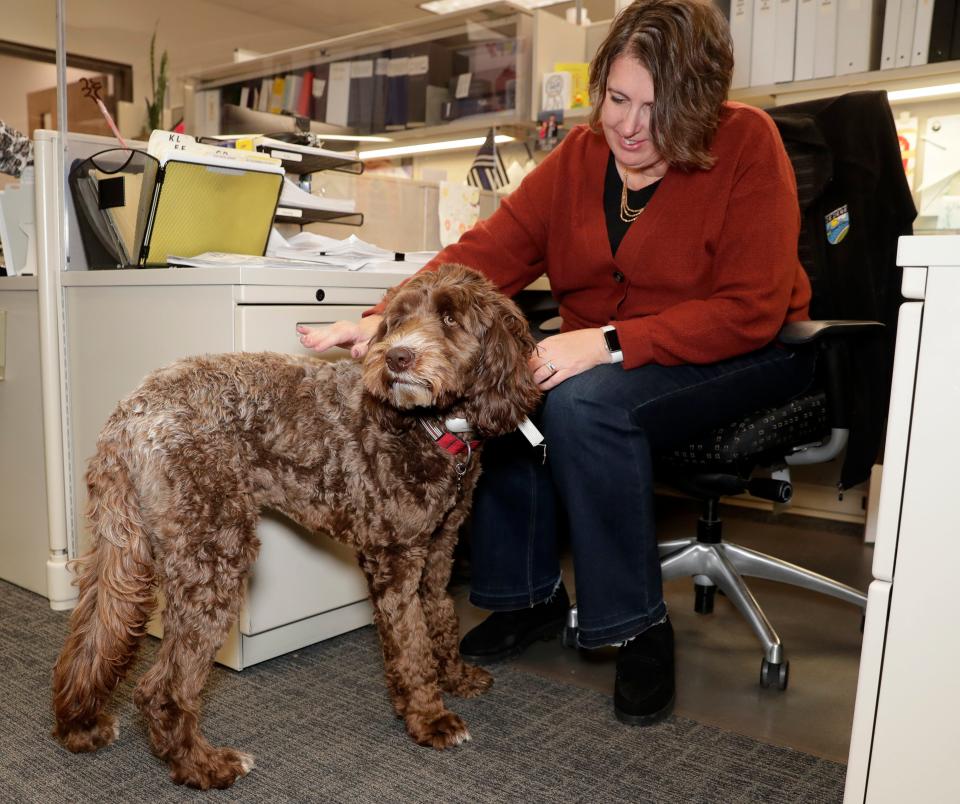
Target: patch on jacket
[(838, 224)]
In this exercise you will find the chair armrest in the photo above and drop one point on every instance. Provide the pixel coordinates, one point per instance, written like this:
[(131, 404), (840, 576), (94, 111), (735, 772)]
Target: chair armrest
[(800, 332)]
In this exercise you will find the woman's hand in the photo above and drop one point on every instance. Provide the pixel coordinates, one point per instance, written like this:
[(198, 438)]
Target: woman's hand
[(352, 334), (560, 357)]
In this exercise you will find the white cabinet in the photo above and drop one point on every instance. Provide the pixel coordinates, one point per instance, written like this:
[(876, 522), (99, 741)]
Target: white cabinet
[(120, 325), (23, 499), (907, 719)]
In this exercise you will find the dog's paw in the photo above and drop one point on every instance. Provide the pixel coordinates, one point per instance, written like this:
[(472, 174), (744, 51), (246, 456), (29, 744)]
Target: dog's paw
[(87, 738), (443, 731), (216, 767), (469, 683)]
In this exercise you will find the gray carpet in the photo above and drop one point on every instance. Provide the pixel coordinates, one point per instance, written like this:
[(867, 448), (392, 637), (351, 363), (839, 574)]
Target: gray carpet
[(322, 729)]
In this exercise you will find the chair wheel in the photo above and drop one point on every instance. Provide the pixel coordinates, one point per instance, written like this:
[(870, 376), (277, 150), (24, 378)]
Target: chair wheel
[(703, 600), (774, 675), (568, 637)]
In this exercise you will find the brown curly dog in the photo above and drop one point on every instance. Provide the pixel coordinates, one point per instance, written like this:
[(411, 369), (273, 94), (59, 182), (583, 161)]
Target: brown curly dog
[(185, 464)]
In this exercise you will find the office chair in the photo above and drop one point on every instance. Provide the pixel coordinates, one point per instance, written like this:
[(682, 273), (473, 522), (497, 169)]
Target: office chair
[(816, 426)]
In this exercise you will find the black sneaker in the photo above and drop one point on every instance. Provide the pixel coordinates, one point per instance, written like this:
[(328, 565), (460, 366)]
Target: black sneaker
[(644, 691), (508, 633)]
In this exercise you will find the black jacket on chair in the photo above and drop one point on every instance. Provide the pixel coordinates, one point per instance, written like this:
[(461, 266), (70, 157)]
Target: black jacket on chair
[(849, 170)]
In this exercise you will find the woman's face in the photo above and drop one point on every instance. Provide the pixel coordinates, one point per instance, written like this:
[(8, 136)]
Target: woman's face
[(625, 115)]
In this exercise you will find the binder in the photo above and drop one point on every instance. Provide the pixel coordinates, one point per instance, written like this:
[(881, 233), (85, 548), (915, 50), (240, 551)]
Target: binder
[(360, 113), (741, 32), (266, 89), (955, 41), (396, 115), (276, 94), (304, 105), (378, 118), (858, 35), (922, 28), (941, 30), (338, 94), (825, 51), (806, 40), (891, 26), (785, 35), (318, 101), (908, 15), (762, 50)]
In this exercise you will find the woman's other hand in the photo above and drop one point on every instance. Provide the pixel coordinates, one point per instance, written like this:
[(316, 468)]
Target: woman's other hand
[(349, 334), (562, 356)]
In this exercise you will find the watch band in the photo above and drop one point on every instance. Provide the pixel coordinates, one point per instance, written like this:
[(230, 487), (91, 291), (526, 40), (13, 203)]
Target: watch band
[(612, 340)]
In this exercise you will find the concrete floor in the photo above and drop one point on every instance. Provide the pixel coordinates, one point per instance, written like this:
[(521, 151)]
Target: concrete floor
[(718, 657)]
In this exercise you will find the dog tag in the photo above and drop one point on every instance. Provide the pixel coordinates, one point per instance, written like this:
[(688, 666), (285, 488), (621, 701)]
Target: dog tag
[(457, 425), (529, 429)]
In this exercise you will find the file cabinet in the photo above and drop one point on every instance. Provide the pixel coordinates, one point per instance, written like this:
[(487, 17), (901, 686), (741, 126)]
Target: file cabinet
[(120, 325), (23, 499), (907, 719)]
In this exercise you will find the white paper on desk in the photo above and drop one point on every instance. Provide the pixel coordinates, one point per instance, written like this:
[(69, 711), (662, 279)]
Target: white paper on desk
[(941, 168)]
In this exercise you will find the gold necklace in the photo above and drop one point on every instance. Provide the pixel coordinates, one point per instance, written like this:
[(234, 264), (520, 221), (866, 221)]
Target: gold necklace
[(627, 213)]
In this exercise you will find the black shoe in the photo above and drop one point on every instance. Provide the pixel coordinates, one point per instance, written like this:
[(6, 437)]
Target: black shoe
[(644, 692), (508, 633)]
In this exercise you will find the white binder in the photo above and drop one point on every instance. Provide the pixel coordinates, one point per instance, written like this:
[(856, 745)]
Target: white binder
[(741, 32), (908, 15), (891, 25), (762, 51), (785, 27), (921, 33), (825, 51), (338, 94), (858, 35), (806, 39)]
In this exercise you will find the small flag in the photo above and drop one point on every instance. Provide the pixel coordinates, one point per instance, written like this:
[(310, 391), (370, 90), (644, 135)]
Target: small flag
[(487, 170)]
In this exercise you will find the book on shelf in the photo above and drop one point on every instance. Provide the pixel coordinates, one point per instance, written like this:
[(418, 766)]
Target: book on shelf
[(888, 42), (762, 49), (785, 37), (378, 117), (806, 40), (338, 94), (859, 35), (922, 28), (741, 32), (825, 51), (304, 106), (941, 30), (908, 16), (360, 111), (396, 111), (276, 95)]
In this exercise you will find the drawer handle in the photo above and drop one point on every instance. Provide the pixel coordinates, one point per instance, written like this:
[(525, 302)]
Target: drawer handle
[(320, 294)]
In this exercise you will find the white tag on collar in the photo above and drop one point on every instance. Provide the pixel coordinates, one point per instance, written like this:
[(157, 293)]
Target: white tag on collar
[(457, 425), (529, 429)]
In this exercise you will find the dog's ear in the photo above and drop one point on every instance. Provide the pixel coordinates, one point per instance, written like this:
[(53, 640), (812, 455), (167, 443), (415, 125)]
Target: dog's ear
[(505, 391)]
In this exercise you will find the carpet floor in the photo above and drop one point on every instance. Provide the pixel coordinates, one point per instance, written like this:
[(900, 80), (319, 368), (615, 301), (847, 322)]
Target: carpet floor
[(322, 730)]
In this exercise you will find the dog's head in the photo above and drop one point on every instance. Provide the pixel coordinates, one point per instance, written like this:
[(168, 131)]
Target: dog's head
[(451, 341)]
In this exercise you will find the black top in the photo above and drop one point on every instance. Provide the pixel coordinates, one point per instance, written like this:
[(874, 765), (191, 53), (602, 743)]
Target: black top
[(636, 199)]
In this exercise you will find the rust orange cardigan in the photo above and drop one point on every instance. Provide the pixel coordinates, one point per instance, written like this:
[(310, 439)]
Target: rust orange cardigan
[(708, 271)]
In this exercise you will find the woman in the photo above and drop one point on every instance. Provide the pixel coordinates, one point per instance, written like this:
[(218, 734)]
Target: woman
[(668, 229)]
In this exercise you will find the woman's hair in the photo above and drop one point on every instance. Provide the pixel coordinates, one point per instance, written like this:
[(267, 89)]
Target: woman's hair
[(686, 47)]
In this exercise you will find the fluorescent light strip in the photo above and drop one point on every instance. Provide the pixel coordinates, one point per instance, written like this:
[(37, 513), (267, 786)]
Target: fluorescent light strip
[(449, 6), (353, 138), (432, 147), (923, 92)]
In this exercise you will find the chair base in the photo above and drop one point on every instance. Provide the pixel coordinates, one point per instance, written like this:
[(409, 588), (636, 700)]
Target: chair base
[(715, 564)]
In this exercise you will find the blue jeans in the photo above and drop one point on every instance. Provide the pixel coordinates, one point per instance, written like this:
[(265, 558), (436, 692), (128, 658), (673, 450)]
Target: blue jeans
[(601, 428)]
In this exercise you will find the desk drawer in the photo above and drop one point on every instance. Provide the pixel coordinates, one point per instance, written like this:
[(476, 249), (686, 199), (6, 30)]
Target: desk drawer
[(297, 574), (273, 328), (898, 436)]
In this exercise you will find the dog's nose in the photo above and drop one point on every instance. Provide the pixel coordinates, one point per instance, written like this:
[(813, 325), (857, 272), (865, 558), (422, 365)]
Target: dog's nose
[(399, 358)]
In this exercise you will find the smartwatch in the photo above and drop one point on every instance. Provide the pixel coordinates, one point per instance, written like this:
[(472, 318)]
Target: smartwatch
[(612, 341)]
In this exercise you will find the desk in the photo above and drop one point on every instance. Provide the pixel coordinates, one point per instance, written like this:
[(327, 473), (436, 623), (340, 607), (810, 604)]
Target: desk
[(120, 325), (906, 729)]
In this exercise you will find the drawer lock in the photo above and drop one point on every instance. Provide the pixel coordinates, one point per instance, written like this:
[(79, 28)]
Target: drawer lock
[(320, 295)]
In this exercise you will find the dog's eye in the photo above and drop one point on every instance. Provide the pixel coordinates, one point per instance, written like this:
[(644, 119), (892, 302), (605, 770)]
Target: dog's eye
[(449, 320)]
